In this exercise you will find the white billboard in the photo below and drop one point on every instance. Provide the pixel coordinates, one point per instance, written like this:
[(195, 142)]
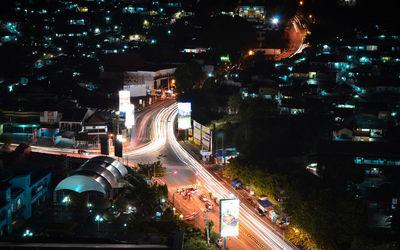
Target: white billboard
[(124, 99), (129, 115), (184, 115), (229, 217), (136, 90), (196, 132)]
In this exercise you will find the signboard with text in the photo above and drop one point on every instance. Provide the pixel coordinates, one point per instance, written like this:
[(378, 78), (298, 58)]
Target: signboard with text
[(197, 132), (206, 137), (124, 99), (229, 217), (184, 115)]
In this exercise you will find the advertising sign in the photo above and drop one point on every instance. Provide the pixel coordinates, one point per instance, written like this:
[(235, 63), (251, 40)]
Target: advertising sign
[(124, 99), (184, 115), (196, 132), (136, 90), (130, 115), (206, 137), (229, 217), (49, 117)]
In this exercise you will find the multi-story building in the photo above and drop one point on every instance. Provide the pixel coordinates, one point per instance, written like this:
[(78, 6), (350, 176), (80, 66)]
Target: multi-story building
[(23, 189)]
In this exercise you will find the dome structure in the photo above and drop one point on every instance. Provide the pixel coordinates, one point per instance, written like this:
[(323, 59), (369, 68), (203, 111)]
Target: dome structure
[(100, 174)]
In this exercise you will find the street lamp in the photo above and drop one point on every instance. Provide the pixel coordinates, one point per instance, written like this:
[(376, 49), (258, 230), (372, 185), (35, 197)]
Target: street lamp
[(66, 200), (98, 219), (275, 20), (27, 233)]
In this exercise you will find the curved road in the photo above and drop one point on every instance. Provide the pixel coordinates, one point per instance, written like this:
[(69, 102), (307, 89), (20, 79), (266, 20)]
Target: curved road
[(155, 135), (254, 232)]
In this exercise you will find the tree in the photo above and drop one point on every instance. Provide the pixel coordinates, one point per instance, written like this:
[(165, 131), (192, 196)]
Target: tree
[(213, 235), (300, 238), (234, 102), (101, 203), (6, 142), (196, 244), (188, 75), (150, 169), (121, 203)]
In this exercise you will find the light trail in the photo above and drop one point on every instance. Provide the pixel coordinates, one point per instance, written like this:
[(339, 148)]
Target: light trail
[(162, 132), (158, 135), (248, 217)]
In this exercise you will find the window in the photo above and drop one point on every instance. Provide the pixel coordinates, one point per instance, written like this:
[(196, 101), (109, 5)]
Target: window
[(19, 203)]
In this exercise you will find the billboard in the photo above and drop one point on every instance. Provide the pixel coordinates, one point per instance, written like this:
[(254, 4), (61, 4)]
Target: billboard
[(206, 137), (129, 115), (229, 217), (184, 115), (124, 99), (136, 90), (197, 132)]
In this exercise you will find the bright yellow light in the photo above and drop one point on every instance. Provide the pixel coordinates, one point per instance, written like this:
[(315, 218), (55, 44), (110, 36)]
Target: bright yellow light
[(146, 23), (310, 16), (301, 3), (251, 53), (173, 81)]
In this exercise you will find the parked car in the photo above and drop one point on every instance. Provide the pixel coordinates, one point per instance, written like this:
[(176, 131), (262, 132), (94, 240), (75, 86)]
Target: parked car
[(210, 205), (202, 197)]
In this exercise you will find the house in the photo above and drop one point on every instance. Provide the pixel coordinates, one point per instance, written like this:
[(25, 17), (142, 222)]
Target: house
[(24, 188), (19, 121), (252, 11), (73, 119)]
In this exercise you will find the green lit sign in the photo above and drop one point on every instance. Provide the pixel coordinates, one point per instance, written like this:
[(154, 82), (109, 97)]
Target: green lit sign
[(225, 58)]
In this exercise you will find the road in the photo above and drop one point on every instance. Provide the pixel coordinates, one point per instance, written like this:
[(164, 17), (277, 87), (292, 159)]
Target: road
[(155, 135), (254, 232), (295, 34)]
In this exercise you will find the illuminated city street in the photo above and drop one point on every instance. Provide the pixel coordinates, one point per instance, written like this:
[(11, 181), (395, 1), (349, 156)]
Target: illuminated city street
[(200, 125), (164, 142)]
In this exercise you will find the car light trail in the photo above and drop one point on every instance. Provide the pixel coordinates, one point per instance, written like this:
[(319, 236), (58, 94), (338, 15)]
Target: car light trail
[(248, 217), (158, 133)]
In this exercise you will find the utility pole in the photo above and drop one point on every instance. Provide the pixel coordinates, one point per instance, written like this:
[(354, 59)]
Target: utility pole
[(223, 150), (207, 229)]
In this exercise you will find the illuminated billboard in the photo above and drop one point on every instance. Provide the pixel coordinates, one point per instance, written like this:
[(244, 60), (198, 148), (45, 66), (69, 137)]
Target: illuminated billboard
[(130, 115), (184, 115), (229, 217), (124, 99)]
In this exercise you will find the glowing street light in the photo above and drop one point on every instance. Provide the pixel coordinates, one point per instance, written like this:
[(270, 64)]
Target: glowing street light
[(66, 200), (275, 19), (98, 219), (27, 233)]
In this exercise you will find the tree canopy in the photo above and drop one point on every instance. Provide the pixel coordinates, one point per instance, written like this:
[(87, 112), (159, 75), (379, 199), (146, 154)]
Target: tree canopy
[(188, 75)]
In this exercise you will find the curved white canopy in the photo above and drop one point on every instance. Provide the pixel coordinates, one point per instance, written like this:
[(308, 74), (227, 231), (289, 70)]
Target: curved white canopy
[(80, 184)]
